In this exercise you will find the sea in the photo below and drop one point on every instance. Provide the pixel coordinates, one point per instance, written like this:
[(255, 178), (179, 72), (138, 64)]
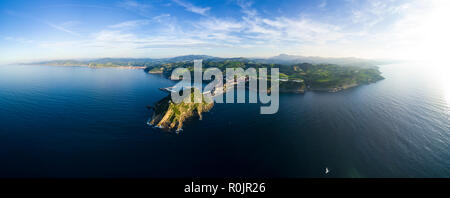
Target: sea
[(58, 122)]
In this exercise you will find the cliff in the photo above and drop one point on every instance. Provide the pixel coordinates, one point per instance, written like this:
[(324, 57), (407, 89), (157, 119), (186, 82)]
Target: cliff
[(170, 116), (292, 87), (155, 70)]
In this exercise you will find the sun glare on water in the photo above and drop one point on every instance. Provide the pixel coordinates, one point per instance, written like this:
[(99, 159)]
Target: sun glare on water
[(446, 85), (431, 38)]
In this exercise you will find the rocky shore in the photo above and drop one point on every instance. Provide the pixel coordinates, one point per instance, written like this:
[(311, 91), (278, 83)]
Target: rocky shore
[(171, 116)]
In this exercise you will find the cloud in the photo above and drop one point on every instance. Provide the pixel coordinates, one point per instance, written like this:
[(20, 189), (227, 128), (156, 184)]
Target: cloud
[(421, 32), (141, 9), (246, 8), (192, 8), (130, 24), (61, 28), (19, 40), (369, 29), (107, 40), (251, 31), (372, 13), (323, 4), (160, 18), (139, 23), (113, 36), (131, 4), (292, 31), (68, 24)]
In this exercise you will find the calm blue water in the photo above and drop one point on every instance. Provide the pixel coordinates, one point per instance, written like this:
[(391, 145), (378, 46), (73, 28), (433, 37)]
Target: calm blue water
[(82, 122)]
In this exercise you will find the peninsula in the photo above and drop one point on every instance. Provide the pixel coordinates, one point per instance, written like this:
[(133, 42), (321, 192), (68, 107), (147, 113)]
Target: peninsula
[(295, 77), (169, 115)]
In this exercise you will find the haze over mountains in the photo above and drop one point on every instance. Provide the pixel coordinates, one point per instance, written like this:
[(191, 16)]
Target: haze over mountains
[(280, 59), (348, 61)]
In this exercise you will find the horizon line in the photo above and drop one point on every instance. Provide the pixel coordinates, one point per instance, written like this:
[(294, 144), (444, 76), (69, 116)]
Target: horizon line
[(175, 56)]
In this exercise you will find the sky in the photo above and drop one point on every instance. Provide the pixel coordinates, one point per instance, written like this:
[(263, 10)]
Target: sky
[(70, 29)]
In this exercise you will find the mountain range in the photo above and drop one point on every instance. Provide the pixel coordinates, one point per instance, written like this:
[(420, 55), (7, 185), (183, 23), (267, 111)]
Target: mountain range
[(280, 59)]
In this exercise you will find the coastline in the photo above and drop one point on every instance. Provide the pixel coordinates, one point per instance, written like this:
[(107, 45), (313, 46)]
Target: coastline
[(299, 90), (334, 89), (90, 66)]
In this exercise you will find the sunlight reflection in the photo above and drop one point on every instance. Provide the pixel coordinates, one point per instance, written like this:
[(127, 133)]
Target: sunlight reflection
[(446, 86), (444, 75)]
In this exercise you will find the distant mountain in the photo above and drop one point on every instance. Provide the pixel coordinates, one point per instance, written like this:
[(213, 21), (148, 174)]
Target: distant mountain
[(126, 61), (188, 58), (280, 59), (291, 59)]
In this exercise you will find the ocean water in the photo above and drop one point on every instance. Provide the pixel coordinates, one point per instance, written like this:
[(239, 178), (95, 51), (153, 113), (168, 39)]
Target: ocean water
[(83, 122)]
